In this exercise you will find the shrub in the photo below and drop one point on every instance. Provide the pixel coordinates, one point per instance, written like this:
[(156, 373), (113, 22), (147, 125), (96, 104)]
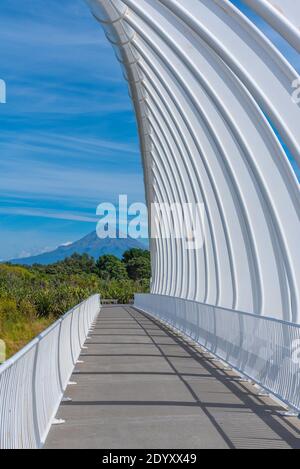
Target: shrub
[(8, 311), (32, 298), (111, 268)]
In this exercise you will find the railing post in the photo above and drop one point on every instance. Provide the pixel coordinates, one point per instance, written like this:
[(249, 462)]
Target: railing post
[(59, 357), (34, 397)]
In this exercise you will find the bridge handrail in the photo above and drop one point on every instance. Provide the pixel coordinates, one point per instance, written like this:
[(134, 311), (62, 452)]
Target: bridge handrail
[(265, 350), (33, 381), (234, 311)]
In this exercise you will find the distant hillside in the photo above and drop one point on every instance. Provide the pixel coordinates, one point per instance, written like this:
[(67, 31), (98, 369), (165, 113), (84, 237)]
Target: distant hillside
[(90, 244)]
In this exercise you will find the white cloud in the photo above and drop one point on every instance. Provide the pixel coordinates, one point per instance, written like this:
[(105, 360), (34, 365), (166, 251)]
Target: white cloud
[(68, 243), (63, 215)]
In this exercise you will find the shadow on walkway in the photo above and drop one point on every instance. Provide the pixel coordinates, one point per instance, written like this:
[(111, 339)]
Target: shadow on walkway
[(141, 386)]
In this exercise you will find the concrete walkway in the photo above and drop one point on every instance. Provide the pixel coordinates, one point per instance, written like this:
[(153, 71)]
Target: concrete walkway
[(140, 386)]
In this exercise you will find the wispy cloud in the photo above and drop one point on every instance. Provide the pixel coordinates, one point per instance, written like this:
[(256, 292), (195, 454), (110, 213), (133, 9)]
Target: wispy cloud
[(71, 183), (68, 134), (52, 214), (54, 142)]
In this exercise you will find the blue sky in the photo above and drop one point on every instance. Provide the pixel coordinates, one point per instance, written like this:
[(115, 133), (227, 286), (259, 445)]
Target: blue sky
[(68, 136)]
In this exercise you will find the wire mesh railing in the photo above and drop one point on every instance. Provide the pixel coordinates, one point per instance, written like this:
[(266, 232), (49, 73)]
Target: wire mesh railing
[(33, 381), (265, 350)]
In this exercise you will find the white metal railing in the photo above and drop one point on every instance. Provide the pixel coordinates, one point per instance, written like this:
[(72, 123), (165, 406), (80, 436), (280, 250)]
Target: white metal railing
[(33, 381), (263, 349)]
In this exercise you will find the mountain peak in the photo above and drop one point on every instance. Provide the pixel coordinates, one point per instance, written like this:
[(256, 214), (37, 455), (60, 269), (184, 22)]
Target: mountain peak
[(89, 244)]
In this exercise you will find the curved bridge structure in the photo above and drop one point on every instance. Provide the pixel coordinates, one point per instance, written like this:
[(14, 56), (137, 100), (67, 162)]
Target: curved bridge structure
[(218, 113), (214, 103)]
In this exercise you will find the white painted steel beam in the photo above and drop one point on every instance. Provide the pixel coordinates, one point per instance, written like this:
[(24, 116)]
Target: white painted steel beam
[(282, 15)]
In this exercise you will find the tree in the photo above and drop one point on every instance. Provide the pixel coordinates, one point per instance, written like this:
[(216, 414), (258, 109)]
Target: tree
[(80, 263), (75, 264), (109, 267), (139, 268), (138, 264), (135, 253)]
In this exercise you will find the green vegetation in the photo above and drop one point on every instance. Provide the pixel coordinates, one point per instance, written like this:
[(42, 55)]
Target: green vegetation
[(111, 268), (31, 298)]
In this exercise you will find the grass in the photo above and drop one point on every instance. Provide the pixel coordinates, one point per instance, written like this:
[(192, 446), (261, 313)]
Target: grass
[(31, 299), (16, 336)]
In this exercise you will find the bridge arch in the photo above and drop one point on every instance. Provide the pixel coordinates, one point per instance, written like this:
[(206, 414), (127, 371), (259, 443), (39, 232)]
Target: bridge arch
[(214, 101), (211, 95)]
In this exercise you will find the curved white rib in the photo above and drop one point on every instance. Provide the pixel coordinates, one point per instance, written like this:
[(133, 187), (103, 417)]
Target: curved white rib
[(206, 83), (282, 15)]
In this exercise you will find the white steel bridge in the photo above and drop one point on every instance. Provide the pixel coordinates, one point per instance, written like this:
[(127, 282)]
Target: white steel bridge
[(218, 113)]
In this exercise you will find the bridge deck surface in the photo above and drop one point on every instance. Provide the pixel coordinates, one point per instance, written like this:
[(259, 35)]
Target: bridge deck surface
[(141, 386)]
